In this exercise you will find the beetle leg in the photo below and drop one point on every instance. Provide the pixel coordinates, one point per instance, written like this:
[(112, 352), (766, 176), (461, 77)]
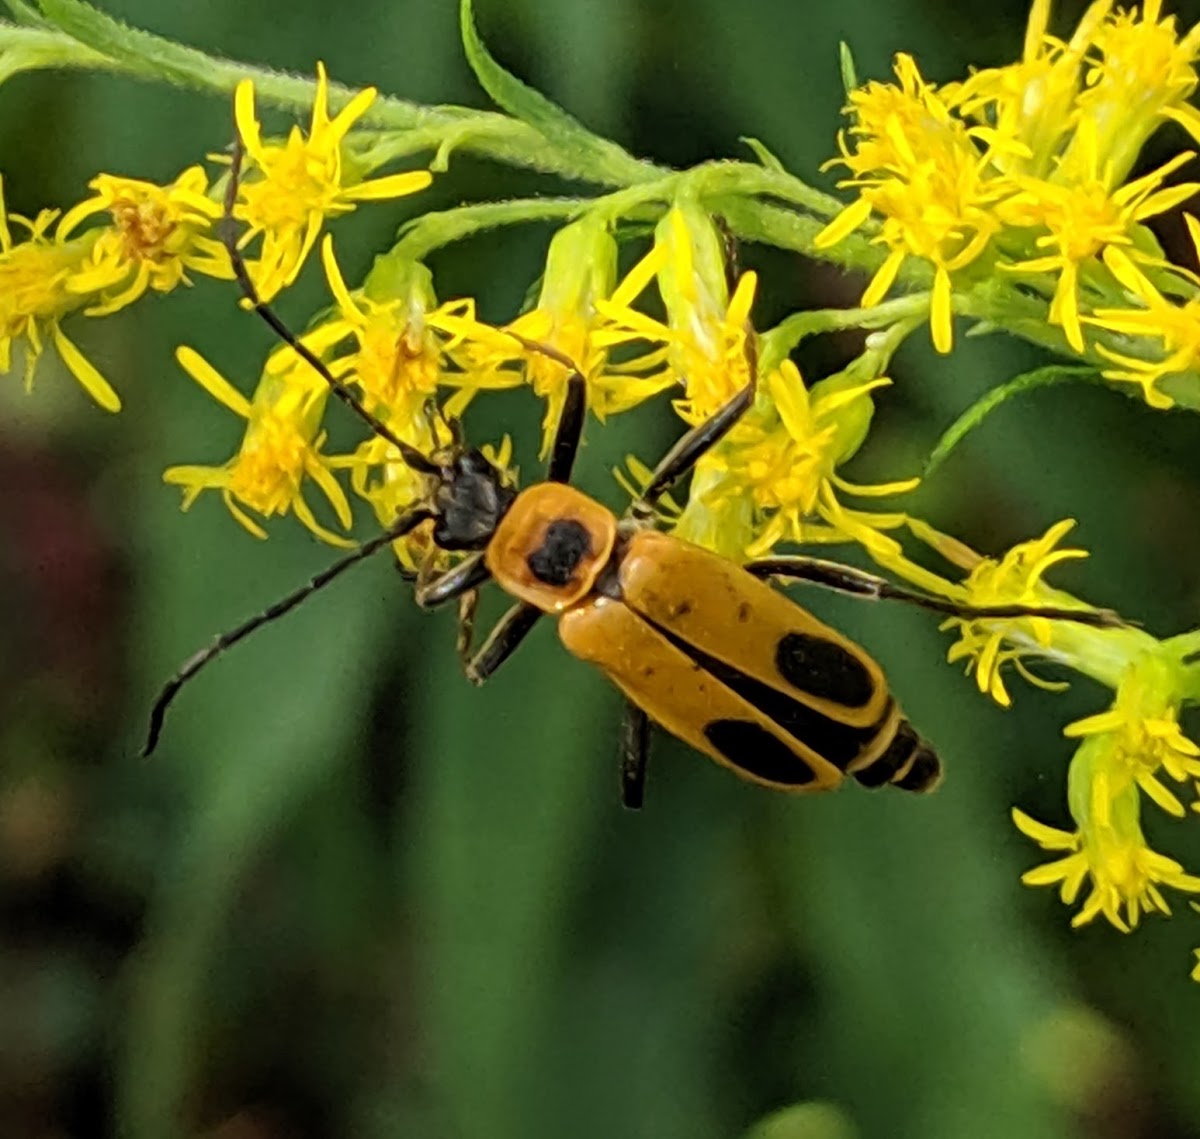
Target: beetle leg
[(691, 447), (464, 577), (635, 750), (467, 604), (848, 579), (502, 641)]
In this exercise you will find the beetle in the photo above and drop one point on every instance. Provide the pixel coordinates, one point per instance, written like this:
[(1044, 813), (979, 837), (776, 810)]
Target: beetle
[(698, 644)]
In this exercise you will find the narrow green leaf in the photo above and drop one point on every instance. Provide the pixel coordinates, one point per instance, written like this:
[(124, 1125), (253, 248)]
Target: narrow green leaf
[(602, 159), (763, 154), (849, 71), (978, 411), (25, 14)]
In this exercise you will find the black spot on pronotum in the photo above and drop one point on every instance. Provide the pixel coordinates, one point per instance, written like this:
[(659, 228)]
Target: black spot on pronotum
[(566, 544), (823, 668), (753, 749), (743, 612)]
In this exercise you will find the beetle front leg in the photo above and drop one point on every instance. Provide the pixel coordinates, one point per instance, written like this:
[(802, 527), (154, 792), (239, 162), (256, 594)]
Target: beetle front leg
[(502, 641)]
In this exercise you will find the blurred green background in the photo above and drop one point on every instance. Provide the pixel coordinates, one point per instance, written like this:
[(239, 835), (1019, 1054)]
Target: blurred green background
[(351, 896)]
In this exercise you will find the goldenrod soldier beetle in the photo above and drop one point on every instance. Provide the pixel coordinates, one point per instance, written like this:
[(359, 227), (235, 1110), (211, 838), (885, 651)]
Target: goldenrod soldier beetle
[(702, 646)]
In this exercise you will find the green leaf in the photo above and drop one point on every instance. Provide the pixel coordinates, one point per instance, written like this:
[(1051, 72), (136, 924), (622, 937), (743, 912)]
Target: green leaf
[(25, 14), (849, 71), (978, 411), (602, 160), (763, 154)]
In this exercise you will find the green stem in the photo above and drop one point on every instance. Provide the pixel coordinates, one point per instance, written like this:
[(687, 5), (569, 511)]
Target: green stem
[(147, 56), (433, 230), (754, 220), (32, 49), (903, 312)]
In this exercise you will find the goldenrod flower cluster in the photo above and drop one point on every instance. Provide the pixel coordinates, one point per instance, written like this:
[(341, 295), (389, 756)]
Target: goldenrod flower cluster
[(1004, 198)]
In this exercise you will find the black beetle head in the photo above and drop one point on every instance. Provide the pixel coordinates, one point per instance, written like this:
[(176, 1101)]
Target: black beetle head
[(471, 498)]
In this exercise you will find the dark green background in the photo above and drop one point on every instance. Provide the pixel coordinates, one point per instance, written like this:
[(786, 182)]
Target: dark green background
[(354, 897)]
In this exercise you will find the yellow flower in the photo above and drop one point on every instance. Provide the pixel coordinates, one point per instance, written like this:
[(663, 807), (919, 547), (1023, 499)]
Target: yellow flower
[(1175, 326), (157, 234), (579, 275), (402, 339), (1082, 215), (706, 332), (281, 447), (1015, 579), (1142, 75), (786, 466), (1125, 873), (396, 362), (303, 181), (1142, 730), (919, 166), (35, 295), (391, 487), (1033, 100)]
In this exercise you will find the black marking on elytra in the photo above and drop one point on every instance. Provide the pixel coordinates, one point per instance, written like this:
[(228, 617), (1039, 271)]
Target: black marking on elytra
[(823, 668), (566, 544), (753, 749), (831, 739)]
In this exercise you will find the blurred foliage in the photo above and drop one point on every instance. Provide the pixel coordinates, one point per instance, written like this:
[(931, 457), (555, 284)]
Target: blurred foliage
[(353, 896)]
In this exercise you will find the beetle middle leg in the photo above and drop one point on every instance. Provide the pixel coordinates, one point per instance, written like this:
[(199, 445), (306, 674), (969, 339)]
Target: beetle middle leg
[(635, 750), (859, 583)]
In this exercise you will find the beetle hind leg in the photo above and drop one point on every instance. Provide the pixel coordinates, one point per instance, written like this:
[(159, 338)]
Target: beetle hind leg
[(635, 750)]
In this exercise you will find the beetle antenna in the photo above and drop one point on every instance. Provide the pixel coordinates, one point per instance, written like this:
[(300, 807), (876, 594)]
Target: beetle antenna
[(403, 525), (413, 458)]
